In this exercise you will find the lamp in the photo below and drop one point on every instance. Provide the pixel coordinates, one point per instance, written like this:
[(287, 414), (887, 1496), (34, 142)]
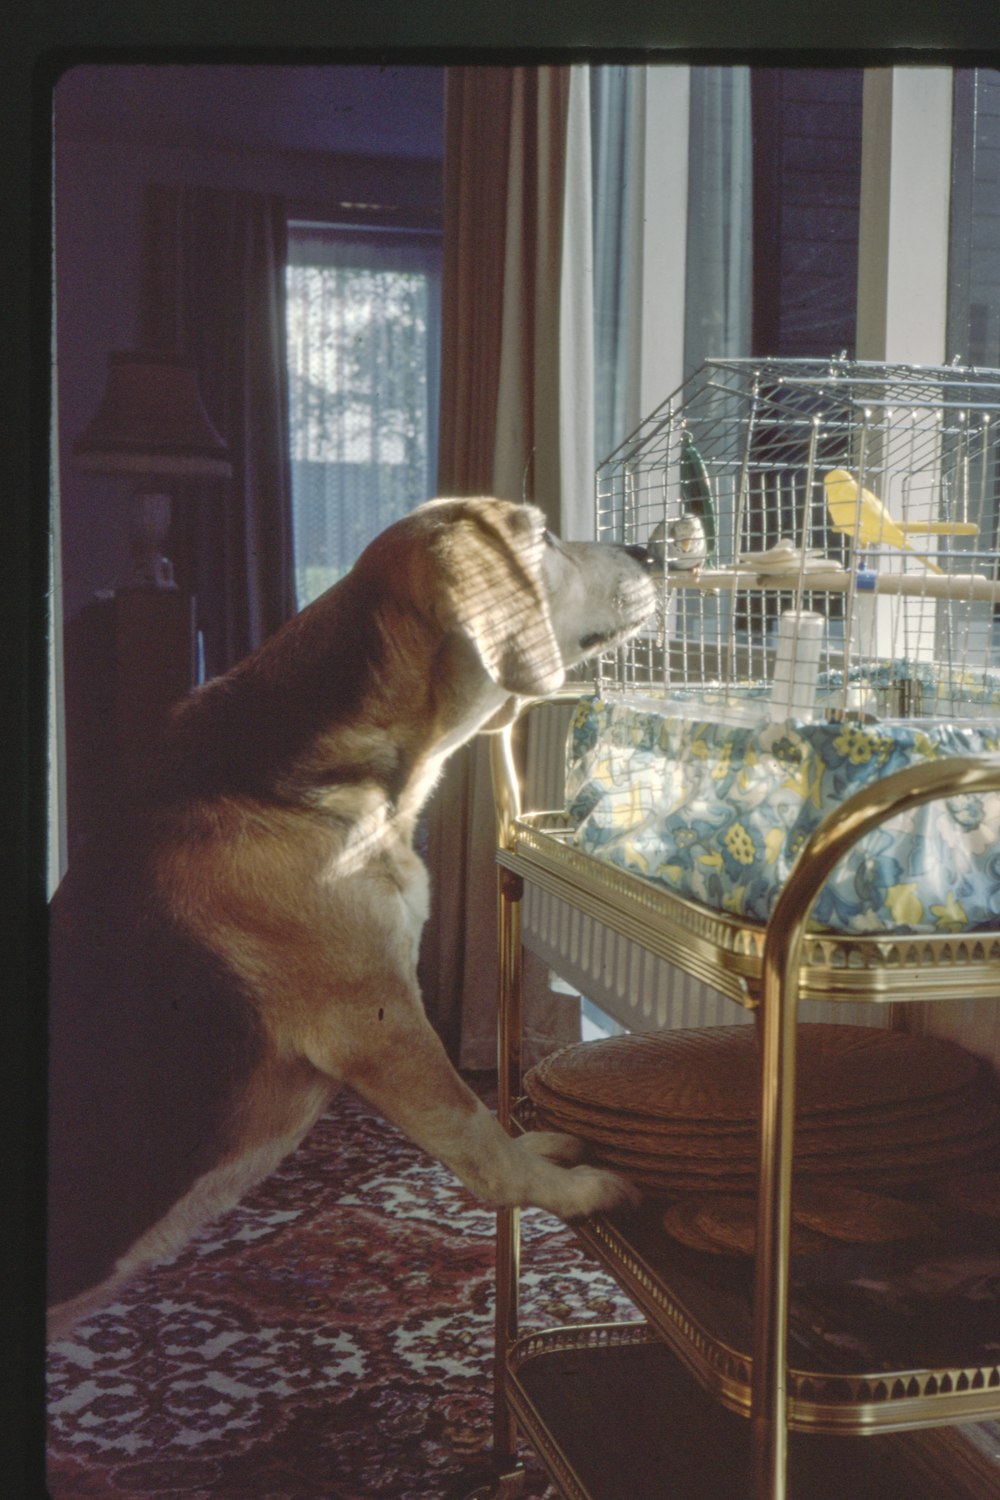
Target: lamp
[(151, 423)]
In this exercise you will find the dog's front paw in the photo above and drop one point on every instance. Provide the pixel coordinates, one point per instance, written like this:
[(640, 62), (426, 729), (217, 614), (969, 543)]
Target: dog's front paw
[(553, 1145), (600, 1191), (578, 1192), (570, 1191)]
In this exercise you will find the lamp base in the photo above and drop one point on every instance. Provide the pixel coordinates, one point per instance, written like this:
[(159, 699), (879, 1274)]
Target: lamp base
[(149, 525), (149, 573)]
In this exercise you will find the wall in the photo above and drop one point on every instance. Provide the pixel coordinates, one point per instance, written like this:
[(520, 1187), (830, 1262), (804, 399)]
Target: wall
[(320, 135)]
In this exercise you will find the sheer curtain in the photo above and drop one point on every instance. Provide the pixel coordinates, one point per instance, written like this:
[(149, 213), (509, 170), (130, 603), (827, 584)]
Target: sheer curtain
[(718, 311), (617, 119), (672, 232), (364, 330)]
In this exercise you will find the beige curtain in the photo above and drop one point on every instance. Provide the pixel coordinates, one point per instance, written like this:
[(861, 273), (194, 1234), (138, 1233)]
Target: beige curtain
[(516, 421)]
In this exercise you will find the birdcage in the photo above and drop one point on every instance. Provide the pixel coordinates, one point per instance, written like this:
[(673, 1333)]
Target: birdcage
[(827, 539)]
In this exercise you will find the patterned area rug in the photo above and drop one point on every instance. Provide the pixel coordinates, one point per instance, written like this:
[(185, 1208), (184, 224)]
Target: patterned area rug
[(330, 1339)]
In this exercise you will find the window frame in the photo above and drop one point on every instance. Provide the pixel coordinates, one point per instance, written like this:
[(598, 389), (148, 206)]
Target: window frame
[(906, 173)]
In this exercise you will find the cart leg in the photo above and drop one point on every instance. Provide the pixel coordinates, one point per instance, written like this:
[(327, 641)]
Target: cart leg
[(505, 1459), (510, 890), (503, 1487), (776, 1025)]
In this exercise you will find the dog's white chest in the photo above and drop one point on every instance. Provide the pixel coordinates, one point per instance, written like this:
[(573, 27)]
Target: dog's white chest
[(415, 894), (414, 890)]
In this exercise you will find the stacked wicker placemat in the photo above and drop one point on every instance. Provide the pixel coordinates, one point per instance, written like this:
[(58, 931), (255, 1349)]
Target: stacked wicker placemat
[(878, 1112)]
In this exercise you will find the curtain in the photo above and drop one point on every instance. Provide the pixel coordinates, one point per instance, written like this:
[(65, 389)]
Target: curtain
[(517, 422), (718, 305), (214, 293), (517, 361), (617, 121)]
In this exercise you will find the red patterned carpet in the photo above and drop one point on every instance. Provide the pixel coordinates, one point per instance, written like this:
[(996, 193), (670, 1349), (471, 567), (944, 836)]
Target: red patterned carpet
[(330, 1339)]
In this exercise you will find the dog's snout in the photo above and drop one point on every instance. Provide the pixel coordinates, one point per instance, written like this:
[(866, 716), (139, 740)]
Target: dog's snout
[(642, 556)]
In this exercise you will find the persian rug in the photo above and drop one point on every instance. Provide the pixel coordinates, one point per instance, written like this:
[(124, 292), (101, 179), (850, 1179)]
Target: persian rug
[(329, 1339)]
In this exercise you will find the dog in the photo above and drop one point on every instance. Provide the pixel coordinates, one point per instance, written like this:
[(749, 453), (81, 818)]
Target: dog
[(242, 938)]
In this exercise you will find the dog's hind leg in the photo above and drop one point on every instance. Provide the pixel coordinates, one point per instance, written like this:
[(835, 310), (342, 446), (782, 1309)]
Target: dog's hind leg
[(211, 1195), (273, 1120)]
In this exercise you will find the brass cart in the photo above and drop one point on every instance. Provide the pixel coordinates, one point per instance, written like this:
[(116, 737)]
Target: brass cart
[(694, 1347)]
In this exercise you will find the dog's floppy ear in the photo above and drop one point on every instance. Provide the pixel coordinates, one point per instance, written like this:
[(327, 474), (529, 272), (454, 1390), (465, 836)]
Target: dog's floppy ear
[(496, 597)]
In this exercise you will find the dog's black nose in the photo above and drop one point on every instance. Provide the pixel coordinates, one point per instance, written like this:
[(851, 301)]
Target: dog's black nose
[(641, 555)]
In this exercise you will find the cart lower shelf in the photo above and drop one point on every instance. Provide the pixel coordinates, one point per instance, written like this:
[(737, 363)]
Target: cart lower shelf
[(611, 1412), (701, 1307)]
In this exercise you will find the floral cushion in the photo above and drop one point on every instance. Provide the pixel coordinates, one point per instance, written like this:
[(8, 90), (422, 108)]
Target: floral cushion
[(719, 811)]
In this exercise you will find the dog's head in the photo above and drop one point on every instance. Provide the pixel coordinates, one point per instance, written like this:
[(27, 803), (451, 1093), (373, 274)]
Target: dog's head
[(529, 605)]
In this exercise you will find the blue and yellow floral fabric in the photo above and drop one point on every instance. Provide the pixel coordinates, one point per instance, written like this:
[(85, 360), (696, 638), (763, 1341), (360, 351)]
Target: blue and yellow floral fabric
[(718, 813)]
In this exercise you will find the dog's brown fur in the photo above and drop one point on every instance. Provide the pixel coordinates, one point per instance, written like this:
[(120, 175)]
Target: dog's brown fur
[(243, 937)]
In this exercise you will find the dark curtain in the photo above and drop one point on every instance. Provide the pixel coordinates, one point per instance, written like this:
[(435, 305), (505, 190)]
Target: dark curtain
[(214, 292)]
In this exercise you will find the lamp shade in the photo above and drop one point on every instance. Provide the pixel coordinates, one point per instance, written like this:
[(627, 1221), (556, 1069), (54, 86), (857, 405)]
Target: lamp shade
[(151, 420)]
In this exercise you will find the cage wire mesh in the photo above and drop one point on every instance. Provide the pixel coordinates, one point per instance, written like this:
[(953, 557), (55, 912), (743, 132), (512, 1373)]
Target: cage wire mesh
[(827, 535)]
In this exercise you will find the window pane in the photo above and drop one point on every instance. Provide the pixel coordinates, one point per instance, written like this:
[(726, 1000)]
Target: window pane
[(806, 210), (614, 127), (974, 254), (720, 222), (363, 329), (974, 268)]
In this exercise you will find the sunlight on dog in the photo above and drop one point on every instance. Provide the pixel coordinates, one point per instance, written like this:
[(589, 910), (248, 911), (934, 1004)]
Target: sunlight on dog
[(242, 936)]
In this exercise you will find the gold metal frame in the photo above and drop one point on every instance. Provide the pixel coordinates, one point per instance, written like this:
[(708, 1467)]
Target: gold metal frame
[(836, 835), (770, 970), (727, 952), (531, 1346), (817, 1401)]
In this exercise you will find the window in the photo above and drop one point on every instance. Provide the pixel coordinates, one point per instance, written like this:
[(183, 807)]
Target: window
[(806, 210), (753, 213), (672, 232), (363, 317), (974, 248), (974, 255), (720, 210)]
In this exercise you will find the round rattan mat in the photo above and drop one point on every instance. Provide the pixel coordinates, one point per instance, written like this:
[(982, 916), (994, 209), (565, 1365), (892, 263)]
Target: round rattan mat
[(968, 1113), (662, 1180), (709, 1075), (849, 1213), (917, 1157), (726, 1223), (677, 1111), (974, 1192)]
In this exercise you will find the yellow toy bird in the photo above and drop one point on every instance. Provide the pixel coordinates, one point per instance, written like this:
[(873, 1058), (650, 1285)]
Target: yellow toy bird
[(876, 527)]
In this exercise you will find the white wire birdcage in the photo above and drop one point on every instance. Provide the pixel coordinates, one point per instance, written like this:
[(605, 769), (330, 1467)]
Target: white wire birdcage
[(828, 538)]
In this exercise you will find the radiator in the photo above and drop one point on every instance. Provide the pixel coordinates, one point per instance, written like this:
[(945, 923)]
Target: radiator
[(635, 988)]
